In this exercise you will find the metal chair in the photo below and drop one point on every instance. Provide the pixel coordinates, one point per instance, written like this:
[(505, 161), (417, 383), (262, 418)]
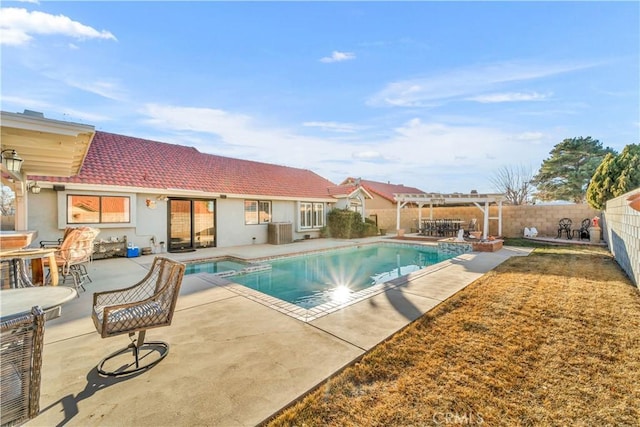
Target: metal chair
[(148, 304), (583, 231), (564, 226), (21, 366)]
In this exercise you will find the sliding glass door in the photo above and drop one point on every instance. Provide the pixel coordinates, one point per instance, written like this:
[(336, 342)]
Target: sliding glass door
[(191, 224)]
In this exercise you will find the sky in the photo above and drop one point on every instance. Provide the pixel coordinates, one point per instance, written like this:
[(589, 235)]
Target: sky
[(433, 95)]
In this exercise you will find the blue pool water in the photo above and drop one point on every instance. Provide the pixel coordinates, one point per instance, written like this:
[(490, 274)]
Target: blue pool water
[(310, 280)]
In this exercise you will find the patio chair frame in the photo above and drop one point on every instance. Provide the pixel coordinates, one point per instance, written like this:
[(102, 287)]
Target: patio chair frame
[(564, 226), (73, 254), (21, 366), (583, 231), (148, 304)]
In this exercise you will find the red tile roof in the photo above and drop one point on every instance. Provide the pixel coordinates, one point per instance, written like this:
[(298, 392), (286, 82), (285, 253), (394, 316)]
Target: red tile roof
[(127, 161), (384, 190), (342, 190)]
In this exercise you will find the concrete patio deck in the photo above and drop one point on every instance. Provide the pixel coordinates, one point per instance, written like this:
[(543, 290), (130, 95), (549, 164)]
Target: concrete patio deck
[(233, 361)]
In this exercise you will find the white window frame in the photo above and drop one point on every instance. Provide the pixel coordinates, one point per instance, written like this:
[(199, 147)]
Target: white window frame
[(311, 215), (318, 215), (262, 204), (256, 217)]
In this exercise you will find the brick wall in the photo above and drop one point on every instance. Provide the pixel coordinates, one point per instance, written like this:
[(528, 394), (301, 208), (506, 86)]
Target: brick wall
[(514, 218), (622, 233)]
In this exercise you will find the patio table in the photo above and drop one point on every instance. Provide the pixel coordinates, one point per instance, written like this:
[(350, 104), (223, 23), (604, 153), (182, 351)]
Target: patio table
[(37, 257), (16, 302)]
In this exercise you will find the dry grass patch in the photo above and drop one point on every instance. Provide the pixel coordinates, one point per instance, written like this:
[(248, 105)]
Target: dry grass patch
[(548, 339)]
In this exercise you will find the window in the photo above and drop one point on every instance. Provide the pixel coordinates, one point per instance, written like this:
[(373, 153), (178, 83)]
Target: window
[(98, 209), (318, 215), (257, 212), (311, 215), (265, 211)]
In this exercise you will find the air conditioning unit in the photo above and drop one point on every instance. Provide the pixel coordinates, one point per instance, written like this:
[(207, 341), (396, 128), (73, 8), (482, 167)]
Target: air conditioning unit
[(280, 233)]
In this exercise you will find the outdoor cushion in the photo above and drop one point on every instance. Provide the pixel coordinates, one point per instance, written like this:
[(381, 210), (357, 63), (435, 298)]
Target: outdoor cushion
[(122, 317)]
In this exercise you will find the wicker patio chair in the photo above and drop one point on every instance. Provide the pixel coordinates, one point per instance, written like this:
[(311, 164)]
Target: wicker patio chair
[(74, 253), (20, 366), (148, 304)]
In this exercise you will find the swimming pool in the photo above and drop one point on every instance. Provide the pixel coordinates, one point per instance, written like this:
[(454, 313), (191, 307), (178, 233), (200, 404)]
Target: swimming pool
[(337, 276)]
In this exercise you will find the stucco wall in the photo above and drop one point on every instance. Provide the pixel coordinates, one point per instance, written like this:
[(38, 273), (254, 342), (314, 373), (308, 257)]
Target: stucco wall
[(622, 233), (47, 212), (46, 215), (514, 218)]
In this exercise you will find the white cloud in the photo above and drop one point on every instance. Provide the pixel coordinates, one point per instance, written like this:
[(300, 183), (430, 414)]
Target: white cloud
[(207, 120), (367, 155), (530, 136), (334, 126), (46, 107), (238, 135), (105, 88), (433, 156), (465, 82), (337, 56), (18, 26), (509, 97)]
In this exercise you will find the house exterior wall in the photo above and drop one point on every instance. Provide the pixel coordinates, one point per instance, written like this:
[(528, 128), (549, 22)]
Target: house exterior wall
[(47, 214), (514, 218), (622, 233), (379, 202), (149, 223)]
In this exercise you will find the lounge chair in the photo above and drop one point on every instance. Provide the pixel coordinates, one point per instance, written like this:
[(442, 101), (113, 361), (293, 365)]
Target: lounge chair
[(471, 227), (73, 254), (148, 304)]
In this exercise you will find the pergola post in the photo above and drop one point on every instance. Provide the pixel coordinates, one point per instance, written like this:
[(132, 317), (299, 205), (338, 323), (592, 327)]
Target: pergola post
[(485, 226), (500, 218)]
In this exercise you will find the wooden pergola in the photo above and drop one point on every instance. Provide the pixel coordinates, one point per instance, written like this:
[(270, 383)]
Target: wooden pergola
[(481, 201)]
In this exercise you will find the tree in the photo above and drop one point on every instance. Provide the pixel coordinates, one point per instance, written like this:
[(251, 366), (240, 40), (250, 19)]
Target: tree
[(565, 175), (615, 176), (7, 198), (514, 183)]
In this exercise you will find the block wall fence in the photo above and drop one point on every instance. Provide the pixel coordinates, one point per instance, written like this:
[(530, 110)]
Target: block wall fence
[(622, 233), (514, 218)]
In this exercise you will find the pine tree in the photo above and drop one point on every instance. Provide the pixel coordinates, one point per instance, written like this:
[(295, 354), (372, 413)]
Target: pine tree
[(615, 176), (565, 175)]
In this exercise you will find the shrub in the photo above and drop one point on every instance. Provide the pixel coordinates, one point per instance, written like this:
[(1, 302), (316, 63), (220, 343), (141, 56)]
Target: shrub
[(345, 224)]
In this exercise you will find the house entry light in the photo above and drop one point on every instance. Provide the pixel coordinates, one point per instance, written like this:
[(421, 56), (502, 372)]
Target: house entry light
[(35, 188), (11, 161)]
